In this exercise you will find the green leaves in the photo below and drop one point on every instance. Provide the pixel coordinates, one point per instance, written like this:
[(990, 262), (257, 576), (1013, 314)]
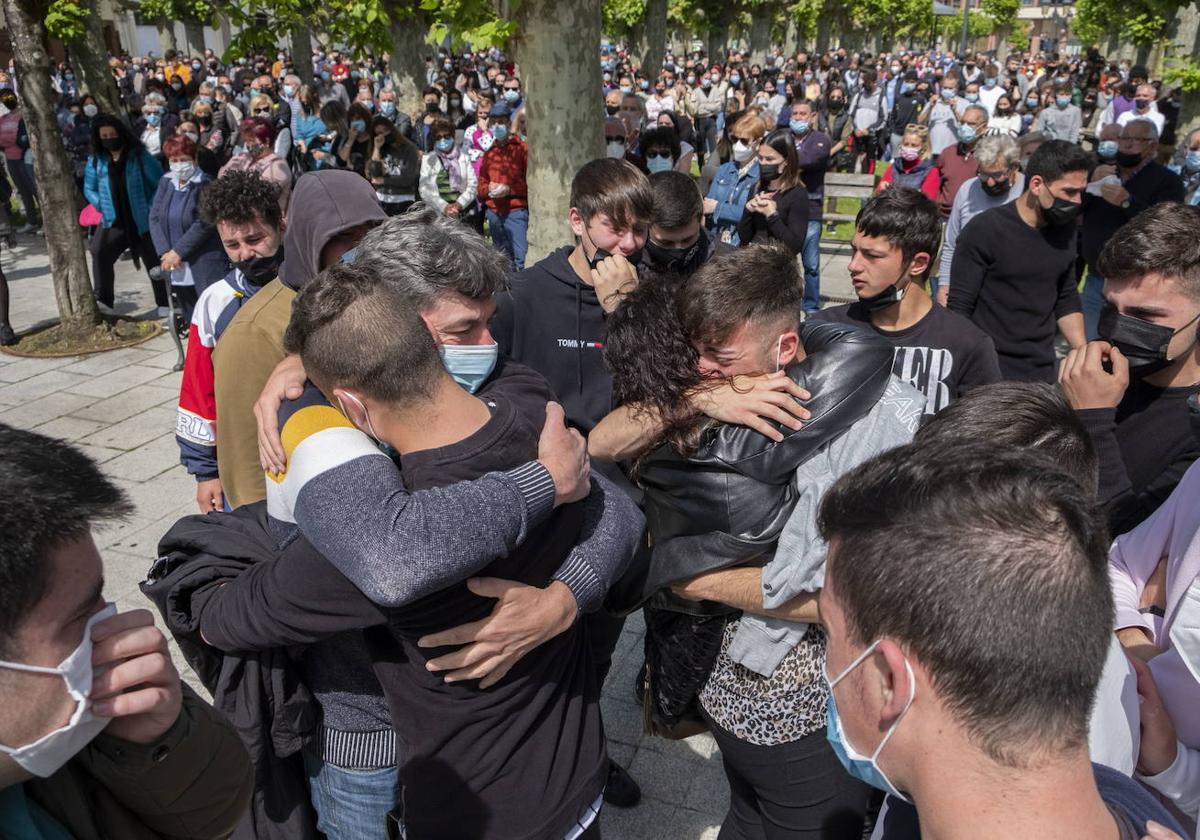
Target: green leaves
[(66, 20), (1141, 21)]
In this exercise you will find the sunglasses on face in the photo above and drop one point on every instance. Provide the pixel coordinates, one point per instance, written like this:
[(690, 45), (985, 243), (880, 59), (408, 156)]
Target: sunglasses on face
[(615, 139), (660, 154), (262, 110)]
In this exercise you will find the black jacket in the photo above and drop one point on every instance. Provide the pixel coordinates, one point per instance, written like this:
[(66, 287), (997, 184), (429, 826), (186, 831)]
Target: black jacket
[(259, 693), (1153, 184), (727, 503)]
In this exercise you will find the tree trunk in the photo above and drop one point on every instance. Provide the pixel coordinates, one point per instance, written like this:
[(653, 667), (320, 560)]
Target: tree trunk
[(791, 36), (656, 38), (635, 42), (90, 57), (715, 42), (406, 62), (824, 27), (302, 52), (557, 76), (193, 34), (56, 182), (166, 36), (760, 32)]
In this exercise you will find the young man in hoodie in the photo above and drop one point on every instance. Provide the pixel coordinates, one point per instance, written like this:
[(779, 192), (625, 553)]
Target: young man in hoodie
[(552, 320), (332, 211)]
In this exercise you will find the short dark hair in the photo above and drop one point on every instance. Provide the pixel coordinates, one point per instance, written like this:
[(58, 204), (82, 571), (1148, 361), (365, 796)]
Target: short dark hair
[(353, 329), (1054, 159), (906, 218), (1036, 417), (239, 197), (1010, 552), (759, 284), (1164, 239), (677, 199), (660, 137), (616, 188), (53, 494)]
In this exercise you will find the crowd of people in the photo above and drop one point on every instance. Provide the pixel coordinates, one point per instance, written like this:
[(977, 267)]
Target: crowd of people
[(924, 563)]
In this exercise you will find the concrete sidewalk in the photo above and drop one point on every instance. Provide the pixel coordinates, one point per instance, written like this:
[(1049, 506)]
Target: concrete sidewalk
[(119, 407)]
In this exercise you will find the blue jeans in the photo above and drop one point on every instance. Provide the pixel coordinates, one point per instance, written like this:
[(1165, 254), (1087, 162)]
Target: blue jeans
[(509, 234), (351, 804), (810, 256), (1093, 301)]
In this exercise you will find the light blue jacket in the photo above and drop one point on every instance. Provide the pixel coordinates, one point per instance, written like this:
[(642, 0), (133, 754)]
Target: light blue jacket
[(142, 174), (731, 191)]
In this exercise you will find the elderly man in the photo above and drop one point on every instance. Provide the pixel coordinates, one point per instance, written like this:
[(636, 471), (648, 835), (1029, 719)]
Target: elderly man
[(998, 180), (1119, 191), (1144, 108), (957, 163)]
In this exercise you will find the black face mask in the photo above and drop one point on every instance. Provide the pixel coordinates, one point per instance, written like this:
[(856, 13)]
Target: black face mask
[(768, 172), (835, 105), (261, 270), (602, 255), (877, 303), (1128, 160), (112, 143), (611, 110), (995, 188), (1144, 344), (1061, 212), (431, 107), (677, 260)]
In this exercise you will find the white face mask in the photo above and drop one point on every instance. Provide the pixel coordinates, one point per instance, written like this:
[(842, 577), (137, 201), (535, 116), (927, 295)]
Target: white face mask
[(90, 110), (366, 415), (183, 170), (45, 756), (616, 150), (742, 152)]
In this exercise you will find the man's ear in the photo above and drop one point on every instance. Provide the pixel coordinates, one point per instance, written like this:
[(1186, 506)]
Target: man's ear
[(896, 679), (576, 220), (919, 265), (352, 406), (789, 349)]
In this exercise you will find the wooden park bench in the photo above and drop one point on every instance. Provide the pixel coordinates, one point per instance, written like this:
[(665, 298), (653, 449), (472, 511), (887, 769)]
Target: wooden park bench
[(844, 194)]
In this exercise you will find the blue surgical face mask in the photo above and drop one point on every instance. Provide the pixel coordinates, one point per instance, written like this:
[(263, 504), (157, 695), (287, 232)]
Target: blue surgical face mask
[(906, 87), (512, 95), (1107, 149), (799, 126), (864, 768), (387, 107), (735, 79), (990, 82), (350, 255), (967, 134), (658, 164), (500, 132), (358, 125), (153, 119), (1192, 161), (470, 364), (1062, 101), (972, 97), (445, 144), (1031, 101)]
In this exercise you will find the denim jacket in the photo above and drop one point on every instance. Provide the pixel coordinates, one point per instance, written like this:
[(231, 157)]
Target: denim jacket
[(731, 191)]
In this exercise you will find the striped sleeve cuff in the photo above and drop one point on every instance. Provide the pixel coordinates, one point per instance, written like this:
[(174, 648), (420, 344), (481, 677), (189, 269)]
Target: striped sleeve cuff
[(581, 579), (537, 488)]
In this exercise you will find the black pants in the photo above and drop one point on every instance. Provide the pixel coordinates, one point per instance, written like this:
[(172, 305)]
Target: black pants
[(795, 791), (107, 246), (22, 178), (185, 298)]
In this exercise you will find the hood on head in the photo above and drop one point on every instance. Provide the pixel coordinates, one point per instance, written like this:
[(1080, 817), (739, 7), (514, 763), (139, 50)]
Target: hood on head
[(323, 204)]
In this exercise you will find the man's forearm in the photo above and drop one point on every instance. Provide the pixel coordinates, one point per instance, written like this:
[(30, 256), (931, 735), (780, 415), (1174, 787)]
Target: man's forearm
[(624, 433), (612, 529), (741, 587)]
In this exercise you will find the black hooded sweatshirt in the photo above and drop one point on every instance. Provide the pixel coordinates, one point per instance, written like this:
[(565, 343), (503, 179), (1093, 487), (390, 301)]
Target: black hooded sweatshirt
[(552, 322)]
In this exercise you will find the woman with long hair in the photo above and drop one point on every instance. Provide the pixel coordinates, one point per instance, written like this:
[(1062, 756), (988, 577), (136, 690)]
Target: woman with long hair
[(913, 163), (355, 148), (120, 180), (777, 210)]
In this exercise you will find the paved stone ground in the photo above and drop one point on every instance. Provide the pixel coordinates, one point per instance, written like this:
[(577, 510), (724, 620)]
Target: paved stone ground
[(119, 408)]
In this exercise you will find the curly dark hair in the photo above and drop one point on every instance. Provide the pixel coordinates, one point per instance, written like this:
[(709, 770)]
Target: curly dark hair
[(241, 196), (652, 361)]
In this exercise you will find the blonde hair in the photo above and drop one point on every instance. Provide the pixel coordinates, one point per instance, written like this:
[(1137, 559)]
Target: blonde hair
[(259, 101), (921, 133), (751, 124)]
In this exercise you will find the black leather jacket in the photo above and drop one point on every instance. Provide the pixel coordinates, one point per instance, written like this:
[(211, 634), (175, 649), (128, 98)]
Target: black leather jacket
[(727, 503)]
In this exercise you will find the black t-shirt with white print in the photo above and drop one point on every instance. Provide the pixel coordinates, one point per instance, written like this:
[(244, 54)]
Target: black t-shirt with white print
[(943, 355)]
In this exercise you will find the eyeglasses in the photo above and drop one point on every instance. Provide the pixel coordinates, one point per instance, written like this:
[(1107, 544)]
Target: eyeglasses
[(746, 140), (992, 176), (262, 111), (916, 128)]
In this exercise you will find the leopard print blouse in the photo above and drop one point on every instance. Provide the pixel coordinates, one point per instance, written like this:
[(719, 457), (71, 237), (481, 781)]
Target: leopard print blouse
[(768, 711)]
